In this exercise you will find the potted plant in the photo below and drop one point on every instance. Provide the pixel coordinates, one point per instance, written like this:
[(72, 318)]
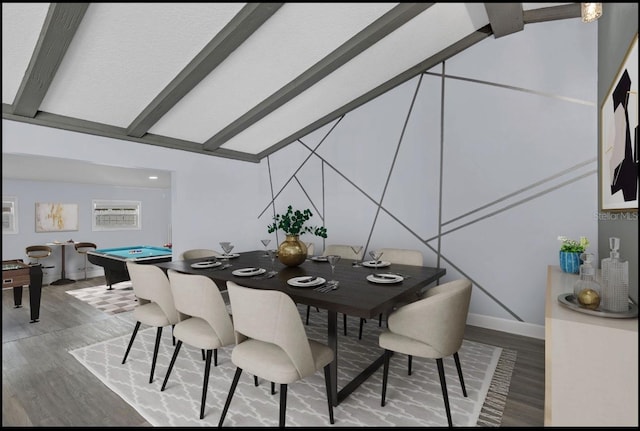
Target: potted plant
[(292, 251), (570, 252)]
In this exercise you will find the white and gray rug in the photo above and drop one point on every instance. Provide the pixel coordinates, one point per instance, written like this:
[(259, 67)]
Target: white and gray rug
[(113, 301), (412, 401)]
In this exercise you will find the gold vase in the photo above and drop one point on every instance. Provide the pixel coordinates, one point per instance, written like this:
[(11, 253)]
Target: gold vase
[(292, 251)]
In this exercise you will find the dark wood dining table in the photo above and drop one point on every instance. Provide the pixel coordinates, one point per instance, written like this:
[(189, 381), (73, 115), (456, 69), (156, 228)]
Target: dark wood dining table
[(356, 296)]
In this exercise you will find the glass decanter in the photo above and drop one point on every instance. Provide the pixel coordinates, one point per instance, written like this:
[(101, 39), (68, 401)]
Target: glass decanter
[(587, 290), (615, 280)]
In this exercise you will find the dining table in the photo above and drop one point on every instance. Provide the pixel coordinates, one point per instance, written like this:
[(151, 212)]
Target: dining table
[(355, 296)]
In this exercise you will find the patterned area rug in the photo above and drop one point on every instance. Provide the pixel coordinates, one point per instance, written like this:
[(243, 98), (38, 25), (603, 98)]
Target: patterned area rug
[(412, 401), (112, 301)]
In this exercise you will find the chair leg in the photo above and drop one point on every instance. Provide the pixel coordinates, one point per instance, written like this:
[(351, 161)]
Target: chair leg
[(273, 388), (234, 383), (344, 324), (380, 320), (204, 355), (133, 336), (155, 353), (385, 375), (173, 361), (445, 395), (457, 359), (308, 310), (360, 330), (283, 404), (205, 383), (255, 381), (215, 357), (327, 384), (409, 361)]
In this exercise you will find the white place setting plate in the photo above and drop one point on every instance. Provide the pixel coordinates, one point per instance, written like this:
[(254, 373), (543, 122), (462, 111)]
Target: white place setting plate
[(384, 278), (373, 264), (319, 258), (228, 256), (205, 264), (306, 281), (248, 272)]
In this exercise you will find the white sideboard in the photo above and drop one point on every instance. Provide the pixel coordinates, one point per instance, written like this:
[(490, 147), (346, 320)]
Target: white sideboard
[(591, 363)]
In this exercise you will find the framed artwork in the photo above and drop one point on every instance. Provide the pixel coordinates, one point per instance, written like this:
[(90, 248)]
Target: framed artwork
[(619, 140), (56, 217)]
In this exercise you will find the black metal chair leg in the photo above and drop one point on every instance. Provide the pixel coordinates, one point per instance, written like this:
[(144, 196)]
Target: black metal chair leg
[(327, 384), (204, 355), (234, 383), (173, 361), (273, 388), (205, 383), (308, 310), (409, 361), (457, 359), (155, 353), (255, 381), (445, 395), (380, 320), (283, 404), (360, 330), (385, 375), (344, 320), (133, 336), (215, 357)]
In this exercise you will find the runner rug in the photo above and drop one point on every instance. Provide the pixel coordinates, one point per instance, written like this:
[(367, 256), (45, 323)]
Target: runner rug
[(412, 401)]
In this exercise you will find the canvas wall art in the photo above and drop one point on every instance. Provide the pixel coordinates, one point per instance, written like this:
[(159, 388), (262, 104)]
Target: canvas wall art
[(56, 217)]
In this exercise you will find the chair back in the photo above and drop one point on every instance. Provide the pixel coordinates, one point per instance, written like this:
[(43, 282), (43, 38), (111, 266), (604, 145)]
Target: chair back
[(310, 248), (343, 251), (271, 316), (199, 296), (438, 319), (83, 247), (197, 253), (150, 283), (402, 256), (38, 251)]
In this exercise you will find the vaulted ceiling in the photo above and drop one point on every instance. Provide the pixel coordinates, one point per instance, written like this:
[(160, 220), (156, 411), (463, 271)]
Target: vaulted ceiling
[(233, 80)]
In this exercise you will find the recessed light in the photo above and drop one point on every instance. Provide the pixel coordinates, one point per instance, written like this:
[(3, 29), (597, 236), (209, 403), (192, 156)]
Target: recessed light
[(153, 177)]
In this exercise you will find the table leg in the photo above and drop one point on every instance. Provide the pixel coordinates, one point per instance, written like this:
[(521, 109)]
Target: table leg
[(63, 279), (332, 341)]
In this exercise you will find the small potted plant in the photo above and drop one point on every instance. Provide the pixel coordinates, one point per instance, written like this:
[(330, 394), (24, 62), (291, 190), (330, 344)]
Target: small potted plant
[(292, 251), (570, 252)]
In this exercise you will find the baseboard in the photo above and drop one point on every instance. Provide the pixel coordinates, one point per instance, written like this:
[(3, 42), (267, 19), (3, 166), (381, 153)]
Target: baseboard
[(504, 325)]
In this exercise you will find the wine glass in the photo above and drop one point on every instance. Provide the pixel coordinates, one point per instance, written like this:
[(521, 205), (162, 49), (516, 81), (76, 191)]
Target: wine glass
[(333, 259), (265, 242), (272, 256), (356, 250), (376, 255), (227, 247)]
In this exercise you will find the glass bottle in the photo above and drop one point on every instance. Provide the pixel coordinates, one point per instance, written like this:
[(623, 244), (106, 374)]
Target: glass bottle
[(587, 290), (615, 280)]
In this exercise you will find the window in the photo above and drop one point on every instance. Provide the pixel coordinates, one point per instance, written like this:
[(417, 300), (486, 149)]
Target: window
[(9, 215), (116, 215)]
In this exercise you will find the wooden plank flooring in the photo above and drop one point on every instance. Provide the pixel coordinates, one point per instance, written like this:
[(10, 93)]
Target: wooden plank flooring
[(43, 385)]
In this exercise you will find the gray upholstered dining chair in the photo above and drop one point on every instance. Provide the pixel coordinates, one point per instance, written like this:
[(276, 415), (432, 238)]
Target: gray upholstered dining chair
[(401, 256), (431, 327), (196, 253), (271, 343), (204, 321), (155, 304)]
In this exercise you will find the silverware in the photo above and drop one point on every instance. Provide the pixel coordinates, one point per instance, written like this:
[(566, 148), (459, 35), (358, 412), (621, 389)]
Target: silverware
[(386, 277), (308, 280), (329, 287)]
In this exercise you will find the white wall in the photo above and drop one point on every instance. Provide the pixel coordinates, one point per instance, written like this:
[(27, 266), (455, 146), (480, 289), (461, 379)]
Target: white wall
[(485, 196)]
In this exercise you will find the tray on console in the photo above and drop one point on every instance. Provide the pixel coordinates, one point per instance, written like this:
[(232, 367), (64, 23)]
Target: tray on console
[(570, 301)]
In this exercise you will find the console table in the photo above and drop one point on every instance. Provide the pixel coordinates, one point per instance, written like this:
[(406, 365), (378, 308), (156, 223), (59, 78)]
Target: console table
[(591, 363)]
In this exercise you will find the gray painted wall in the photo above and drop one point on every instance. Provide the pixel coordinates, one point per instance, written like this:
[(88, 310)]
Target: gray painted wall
[(616, 29), (156, 213)]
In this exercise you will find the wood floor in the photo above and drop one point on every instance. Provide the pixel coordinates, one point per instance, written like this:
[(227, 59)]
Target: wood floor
[(43, 385)]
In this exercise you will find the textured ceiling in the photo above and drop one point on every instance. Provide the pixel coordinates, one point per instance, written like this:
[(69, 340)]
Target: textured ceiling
[(234, 80)]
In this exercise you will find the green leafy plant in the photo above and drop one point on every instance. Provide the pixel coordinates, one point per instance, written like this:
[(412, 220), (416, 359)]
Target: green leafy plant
[(292, 223), (573, 246)]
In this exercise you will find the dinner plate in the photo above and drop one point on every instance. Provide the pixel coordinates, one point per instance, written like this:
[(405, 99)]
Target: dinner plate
[(320, 258), (303, 281), (228, 256), (205, 264), (384, 278), (373, 264), (248, 272)]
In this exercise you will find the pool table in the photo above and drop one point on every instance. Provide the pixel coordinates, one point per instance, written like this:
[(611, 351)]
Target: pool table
[(113, 260)]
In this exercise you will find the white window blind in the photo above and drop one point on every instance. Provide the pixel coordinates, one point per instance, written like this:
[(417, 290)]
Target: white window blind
[(9, 215), (116, 215)]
